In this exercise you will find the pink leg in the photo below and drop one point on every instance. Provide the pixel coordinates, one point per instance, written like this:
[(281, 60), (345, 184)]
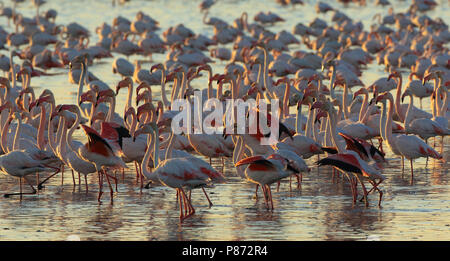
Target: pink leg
[(209, 201)]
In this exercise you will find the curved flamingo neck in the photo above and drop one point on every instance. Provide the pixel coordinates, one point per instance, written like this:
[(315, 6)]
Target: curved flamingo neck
[(397, 98), (72, 130), (408, 116), (364, 108), (345, 107), (41, 130), (5, 137), (81, 81), (298, 119), (170, 146), (388, 127), (112, 107), (13, 70), (163, 89), (17, 135), (333, 79), (287, 92), (309, 123), (332, 124)]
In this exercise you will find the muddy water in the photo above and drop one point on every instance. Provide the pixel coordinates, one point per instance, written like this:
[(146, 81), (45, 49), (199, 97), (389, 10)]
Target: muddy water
[(321, 209)]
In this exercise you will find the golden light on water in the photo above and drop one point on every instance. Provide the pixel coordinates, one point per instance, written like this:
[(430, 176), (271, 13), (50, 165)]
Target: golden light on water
[(320, 210)]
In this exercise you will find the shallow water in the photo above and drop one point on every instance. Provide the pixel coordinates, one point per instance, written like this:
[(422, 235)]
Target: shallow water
[(321, 209)]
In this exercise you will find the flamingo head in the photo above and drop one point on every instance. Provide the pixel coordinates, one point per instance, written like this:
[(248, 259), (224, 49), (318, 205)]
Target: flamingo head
[(145, 129), (6, 105), (319, 115), (359, 92), (4, 82), (124, 83), (82, 58), (142, 85), (144, 95), (159, 66), (394, 74), (130, 111), (406, 93), (23, 71), (384, 96), (88, 96), (101, 116), (69, 107), (147, 107)]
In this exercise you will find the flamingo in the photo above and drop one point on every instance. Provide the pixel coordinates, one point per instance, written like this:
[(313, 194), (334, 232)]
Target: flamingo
[(424, 128), (74, 161), (100, 153), (176, 173), (408, 146), (348, 160), (20, 164), (265, 171)]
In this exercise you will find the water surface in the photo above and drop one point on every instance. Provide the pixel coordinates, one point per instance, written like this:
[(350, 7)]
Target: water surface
[(321, 210)]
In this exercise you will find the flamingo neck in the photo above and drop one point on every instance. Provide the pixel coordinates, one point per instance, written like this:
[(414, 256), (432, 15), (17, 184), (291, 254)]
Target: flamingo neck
[(332, 124), (298, 119), (163, 89), (285, 111), (364, 108), (81, 81), (133, 124), (397, 98), (332, 80), (50, 134), (345, 106), (444, 107), (13, 71), (5, 137), (130, 97), (169, 148), (175, 89), (17, 135), (41, 130), (156, 149), (112, 107), (388, 128), (146, 159), (408, 116), (309, 123), (72, 130), (63, 141), (383, 120), (60, 134)]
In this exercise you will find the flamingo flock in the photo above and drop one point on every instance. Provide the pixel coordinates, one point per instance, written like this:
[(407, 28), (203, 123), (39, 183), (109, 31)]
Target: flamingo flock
[(349, 129)]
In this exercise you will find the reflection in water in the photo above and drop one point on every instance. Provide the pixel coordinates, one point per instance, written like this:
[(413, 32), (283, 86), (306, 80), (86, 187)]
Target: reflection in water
[(320, 210)]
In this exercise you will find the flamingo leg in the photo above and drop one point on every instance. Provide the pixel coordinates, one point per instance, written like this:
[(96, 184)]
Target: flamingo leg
[(86, 183), (364, 191), (189, 205), (269, 193), (375, 186), (73, 178), (113, 178), (209, 201), (100, 184), (278, 186), (180, 203), (34, 191), (256, 191), (137, 171), (412, 171), (111, 190), (62, 174), (263, 187), (39, 187)]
